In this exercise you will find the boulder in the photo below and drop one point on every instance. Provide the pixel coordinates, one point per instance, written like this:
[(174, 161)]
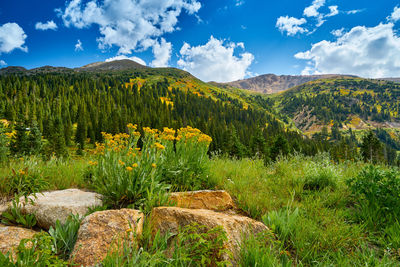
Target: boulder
[(102, 232), (11, 236), (218, 200), (170, 219), (51, 206)]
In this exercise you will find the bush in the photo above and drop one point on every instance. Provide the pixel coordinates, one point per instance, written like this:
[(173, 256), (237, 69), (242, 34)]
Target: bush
[(376, 191), (65, 235)]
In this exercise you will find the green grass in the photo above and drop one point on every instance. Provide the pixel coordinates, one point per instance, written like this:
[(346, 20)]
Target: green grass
[(58, 173), (306, 203)]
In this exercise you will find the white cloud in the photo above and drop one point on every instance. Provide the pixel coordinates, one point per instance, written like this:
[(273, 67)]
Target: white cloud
[(352, 12), (312, 11), (2, 63), (338, 32), (395, 16), (291, 25), (120, 57), (78, 46), (364, 51), (50, 25), (130, 25), (333, 11), (12, 36), (162, 53), (239, 2), (215, 61)]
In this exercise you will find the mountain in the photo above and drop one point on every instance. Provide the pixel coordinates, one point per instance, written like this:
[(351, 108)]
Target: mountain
[(271, 83), (116, 65), (112, 66), (348, 102)]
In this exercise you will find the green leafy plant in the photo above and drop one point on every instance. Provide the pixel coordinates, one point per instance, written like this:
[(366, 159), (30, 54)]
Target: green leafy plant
[(283, 223), (196, 245), (65, 235), (15, 216), (125, 174), (22, 182), (37, 251), (376, 191)]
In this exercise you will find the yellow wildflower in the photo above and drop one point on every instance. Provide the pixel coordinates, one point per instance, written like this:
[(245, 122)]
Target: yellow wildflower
[(22, 172), (121, 162), (129, 169), (159, 146), (134, 165), (92, 163), (153, 165)]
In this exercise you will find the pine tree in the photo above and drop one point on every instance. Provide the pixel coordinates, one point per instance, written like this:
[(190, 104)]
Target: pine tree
[(371, 148)]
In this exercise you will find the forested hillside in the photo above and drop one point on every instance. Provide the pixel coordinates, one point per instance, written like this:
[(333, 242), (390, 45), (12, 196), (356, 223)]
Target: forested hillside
[(74, 108)]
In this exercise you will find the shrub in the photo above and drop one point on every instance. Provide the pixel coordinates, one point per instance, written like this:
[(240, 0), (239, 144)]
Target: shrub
[(65, 235), (376, 191)]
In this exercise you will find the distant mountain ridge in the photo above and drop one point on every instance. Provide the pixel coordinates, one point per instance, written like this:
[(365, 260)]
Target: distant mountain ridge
[(117, 65), (271, 83)]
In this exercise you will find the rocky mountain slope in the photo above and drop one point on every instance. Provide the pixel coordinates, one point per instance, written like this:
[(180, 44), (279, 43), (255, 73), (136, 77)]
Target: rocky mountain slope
[(271, 83)]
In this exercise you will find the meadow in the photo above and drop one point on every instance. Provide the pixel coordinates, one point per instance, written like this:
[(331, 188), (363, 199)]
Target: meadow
[(320, 213)]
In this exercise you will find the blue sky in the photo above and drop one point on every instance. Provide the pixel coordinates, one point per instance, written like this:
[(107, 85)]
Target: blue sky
[(220, 40)]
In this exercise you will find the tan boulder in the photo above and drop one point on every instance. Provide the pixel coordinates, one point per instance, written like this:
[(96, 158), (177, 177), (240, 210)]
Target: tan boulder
[(170, 219), (101, 233), (11, 236), (218, 200), (51, 206)]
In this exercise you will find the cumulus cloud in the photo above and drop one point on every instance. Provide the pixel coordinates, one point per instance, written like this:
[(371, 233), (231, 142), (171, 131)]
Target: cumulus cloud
[(133, 58), (12, 36), (215, 61), (130, 25), (395, 16), (2, 63), (162, 53), (50, 25), (78, 46), (364, 51), (291, 25)]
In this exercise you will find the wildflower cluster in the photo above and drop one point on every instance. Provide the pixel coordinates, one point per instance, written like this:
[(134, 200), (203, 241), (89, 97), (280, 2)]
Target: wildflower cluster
[(127, 174)]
